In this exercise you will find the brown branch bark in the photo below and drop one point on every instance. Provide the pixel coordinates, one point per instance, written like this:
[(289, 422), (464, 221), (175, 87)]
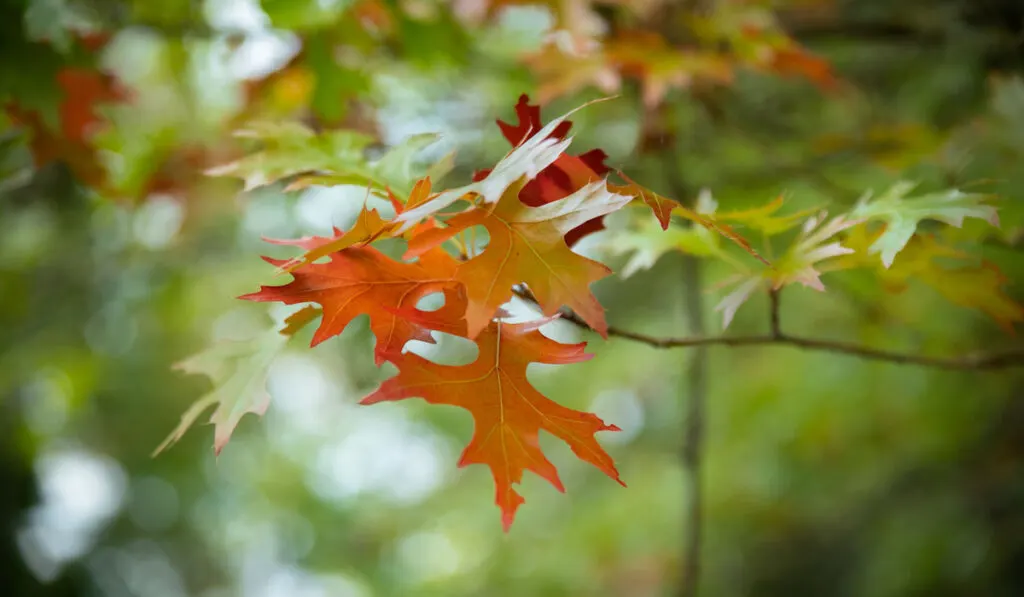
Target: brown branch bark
[(776, 321), (696, 388)]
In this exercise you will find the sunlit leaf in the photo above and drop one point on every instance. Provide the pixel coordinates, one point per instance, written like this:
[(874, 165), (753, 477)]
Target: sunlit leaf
[(238, 371), (291, 148), (527, 245), (527, 160), (396, 171), (330, 158)]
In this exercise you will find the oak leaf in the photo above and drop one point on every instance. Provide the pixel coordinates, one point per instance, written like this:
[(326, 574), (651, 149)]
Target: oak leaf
[(817, 242), (765, 219), (800, 264), (902, 215), (961, 279), (84, 90), (792, 59), (971, 285), (758, 40), (362, 280), (647, 57), (640, 55), (703, 214), (368, 227), (395, 172), (562, 73), (508, 412), (528, 159), (567, 174), (238, 370), (291, 150), (647, 241), (527, 246), (662, 207)]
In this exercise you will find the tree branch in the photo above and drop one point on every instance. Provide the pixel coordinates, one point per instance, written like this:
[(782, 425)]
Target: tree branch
[(968, 362), (776, 323), (693, 436)]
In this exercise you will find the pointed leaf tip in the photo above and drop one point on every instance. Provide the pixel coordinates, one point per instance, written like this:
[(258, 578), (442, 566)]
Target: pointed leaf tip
[(238, 371)]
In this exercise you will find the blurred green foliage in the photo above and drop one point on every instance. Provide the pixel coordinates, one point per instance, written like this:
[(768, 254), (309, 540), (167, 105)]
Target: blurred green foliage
[(823, 474)]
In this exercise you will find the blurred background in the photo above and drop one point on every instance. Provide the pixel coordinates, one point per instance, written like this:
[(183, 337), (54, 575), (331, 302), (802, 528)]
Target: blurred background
[(823, 474)]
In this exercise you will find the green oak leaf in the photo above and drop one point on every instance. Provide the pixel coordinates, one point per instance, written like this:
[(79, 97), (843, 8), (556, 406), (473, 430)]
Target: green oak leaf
[(647, 242), (238, 370), (800, 264), (901, 214), (290, 149), (397, 170), (293, 151)]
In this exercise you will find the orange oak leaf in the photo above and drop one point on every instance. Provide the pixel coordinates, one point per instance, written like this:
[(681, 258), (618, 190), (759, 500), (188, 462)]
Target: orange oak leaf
[(567, 174), (562, 73), (84, 90), (526, 246), (771, 50), (508, 412), (660, 206), (360, 280), (795, 60), (648, 57), (639, 55), (368, 227)]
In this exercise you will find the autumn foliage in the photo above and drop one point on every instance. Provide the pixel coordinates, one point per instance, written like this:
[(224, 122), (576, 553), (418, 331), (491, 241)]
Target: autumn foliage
[(531, 227), (511, 234), (535, 204)]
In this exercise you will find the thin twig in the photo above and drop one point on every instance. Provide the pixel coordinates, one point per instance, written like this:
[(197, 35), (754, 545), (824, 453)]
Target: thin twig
[(969, 362)]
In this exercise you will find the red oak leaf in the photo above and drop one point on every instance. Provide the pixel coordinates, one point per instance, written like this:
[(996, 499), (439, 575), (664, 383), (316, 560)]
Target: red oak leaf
[(83, 90), (508, 412), (567, 175)]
